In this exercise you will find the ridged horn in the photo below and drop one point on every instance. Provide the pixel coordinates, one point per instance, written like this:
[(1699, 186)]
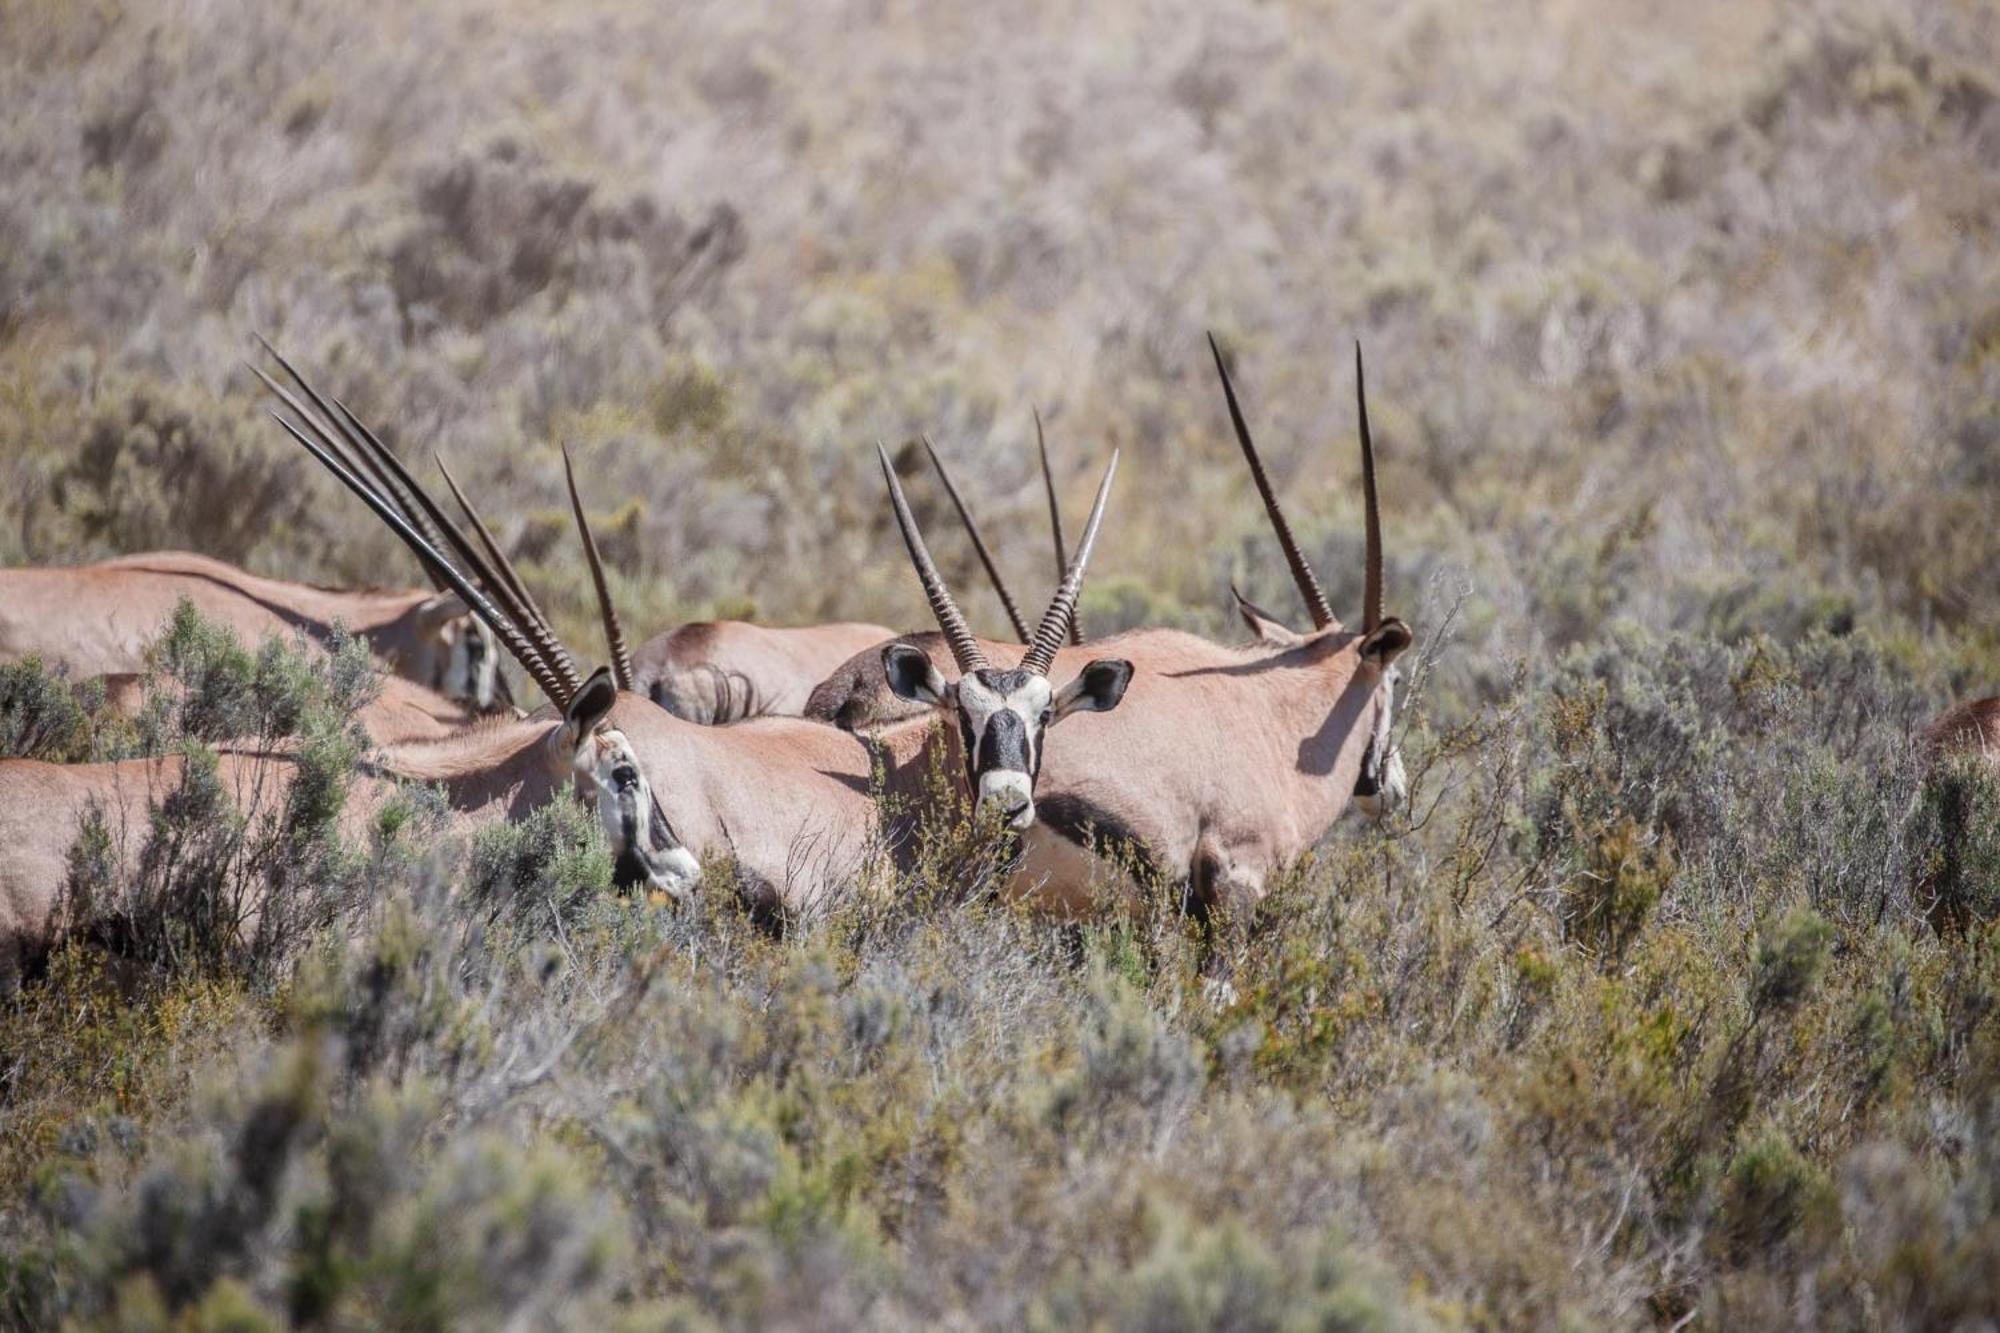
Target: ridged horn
[(614, 633), (431, 523), (978, 542), (1055, 519), (1055, 624), (965, 648), (1371, 602), (503, 629), (350, 452), (507, 580), (1302, 573)]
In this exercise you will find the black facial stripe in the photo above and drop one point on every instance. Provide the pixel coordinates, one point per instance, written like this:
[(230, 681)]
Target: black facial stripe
[(1369, 783), (1005, 744), (1003, 682)]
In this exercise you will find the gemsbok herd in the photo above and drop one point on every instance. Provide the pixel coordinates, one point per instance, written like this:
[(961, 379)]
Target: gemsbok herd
[(796, 756)]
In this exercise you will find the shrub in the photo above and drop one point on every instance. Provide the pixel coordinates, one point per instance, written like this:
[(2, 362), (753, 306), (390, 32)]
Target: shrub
[(1956, 842)]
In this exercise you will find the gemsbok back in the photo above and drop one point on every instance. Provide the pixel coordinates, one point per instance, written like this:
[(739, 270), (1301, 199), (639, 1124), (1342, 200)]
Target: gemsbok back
[(99, 619)]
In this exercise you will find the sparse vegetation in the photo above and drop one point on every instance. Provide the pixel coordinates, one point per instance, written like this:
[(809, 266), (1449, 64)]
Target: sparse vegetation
[(1673, 1000)]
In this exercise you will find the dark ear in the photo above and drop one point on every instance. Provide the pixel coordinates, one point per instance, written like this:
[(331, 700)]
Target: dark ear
[(911, 674), (1268, 629), (1096, 689), (1386, 644), (590, 705)]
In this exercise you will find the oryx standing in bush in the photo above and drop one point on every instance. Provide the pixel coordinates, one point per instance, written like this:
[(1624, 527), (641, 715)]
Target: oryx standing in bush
[(1224, 763)]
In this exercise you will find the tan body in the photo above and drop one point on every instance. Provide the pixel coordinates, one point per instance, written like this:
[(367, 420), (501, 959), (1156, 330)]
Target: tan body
[(99, 619), (43, 806), (1967, 728), (726, 670), (401, 710), (1222, 765)]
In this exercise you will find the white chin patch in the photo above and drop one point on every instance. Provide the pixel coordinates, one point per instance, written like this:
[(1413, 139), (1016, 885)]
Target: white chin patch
[(1007, 796), (675, 874)]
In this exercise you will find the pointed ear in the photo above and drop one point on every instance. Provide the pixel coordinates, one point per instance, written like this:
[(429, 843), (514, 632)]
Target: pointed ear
[(1096, 689), (1386, 644), (912, 674), (590, 705), (435, 613), (1263, 624)]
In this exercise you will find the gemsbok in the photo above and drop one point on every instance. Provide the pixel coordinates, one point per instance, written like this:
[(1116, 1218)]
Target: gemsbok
[(1225, 763), (100, 619), (855, 698), (790, 802)]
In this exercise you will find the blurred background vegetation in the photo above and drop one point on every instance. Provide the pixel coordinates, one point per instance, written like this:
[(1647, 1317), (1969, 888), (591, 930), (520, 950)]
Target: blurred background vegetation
[(1674, 998)]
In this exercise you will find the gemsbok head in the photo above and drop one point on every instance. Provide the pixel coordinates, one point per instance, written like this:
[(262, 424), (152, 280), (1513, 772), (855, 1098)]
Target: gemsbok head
[(1003, 713)]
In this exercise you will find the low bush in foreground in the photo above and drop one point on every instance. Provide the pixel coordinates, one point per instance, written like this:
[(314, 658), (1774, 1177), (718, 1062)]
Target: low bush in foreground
[(1591, 1037)]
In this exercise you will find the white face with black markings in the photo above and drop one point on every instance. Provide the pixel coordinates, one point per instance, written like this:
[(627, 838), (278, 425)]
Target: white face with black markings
[(1004, 715), (644, 849), (1382, 785), (472, 665), (645, 852)]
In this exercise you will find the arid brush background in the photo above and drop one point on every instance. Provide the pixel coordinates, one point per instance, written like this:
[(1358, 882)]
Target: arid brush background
[(1674, 1000)]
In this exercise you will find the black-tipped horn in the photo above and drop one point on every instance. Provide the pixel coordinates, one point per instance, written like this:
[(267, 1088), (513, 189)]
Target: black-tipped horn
[(965, 648), (1302, 573), (1371, 602), (978, 542), (511, 638), (614, 633), (1055, 520), (1054, 628)]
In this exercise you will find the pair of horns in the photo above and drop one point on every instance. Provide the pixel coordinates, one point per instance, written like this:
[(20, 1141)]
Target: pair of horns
[(493, 590), (1056, 620), (979, 540), (1302, 573)]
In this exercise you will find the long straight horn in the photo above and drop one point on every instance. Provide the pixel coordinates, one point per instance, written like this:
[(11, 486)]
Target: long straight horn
[(503, 629), (431, 521), (978, 543), (614, 633), (1062, 608), (1371, 603), (507, 584), (965, 648), (1055, 520), (350, 452), (1302, 574)]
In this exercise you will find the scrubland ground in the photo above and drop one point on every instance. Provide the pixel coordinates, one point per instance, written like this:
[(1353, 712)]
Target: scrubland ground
[(1674, 999)]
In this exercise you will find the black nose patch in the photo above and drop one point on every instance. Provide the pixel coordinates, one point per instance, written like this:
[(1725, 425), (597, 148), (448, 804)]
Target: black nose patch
[(624, 777), (1005, 744)]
